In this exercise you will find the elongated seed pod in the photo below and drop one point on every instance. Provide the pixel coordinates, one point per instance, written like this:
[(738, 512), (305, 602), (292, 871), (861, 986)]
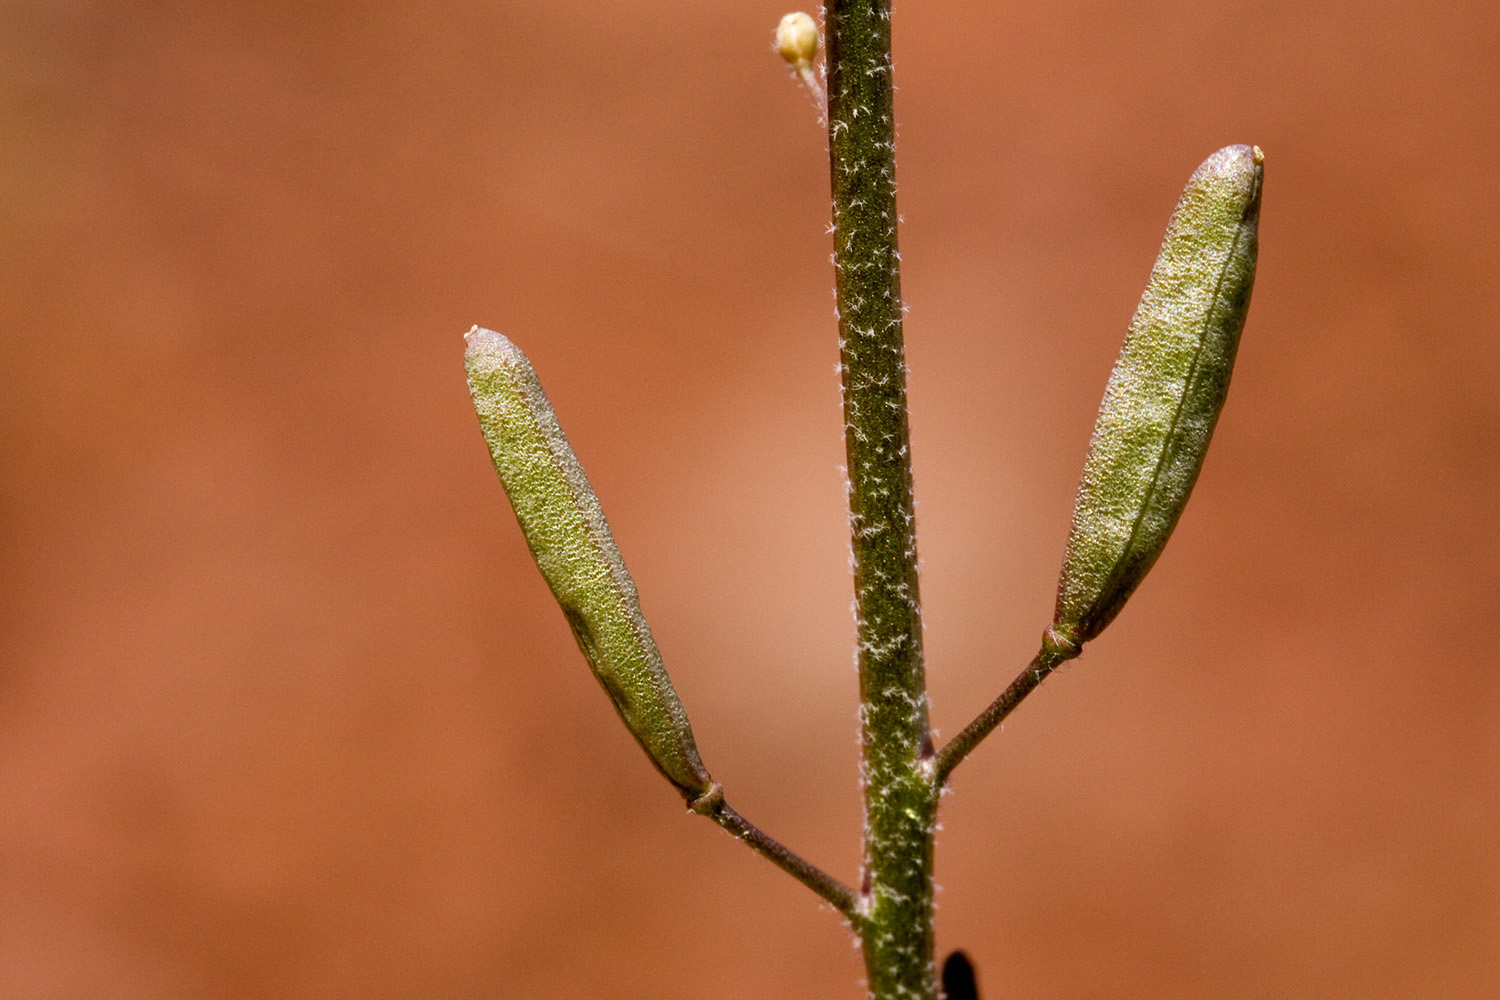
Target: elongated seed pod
[(1164, 395), (565, 528)]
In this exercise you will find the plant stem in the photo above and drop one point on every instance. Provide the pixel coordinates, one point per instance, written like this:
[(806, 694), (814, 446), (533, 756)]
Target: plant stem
[(843, 898), (899, 794), (1054, 650)]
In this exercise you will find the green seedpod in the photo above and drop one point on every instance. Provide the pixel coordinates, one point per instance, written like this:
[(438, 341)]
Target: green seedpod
[(1164, 395), (565, 528)]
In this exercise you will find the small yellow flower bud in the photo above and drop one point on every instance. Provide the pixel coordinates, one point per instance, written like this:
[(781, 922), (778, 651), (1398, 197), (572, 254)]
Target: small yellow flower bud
[(797, 39)]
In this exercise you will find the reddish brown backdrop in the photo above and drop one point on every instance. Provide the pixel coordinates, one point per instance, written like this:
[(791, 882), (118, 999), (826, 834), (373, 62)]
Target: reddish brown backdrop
[(285, 710)]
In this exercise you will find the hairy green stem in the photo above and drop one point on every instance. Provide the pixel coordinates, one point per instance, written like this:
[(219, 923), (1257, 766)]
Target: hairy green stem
[(900, 796)]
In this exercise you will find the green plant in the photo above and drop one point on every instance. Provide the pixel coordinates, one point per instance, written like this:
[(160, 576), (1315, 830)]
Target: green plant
[(1153, 429)]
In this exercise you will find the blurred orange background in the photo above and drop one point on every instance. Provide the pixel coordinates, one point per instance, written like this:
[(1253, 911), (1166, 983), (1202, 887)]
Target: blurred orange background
[(286, 711)]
